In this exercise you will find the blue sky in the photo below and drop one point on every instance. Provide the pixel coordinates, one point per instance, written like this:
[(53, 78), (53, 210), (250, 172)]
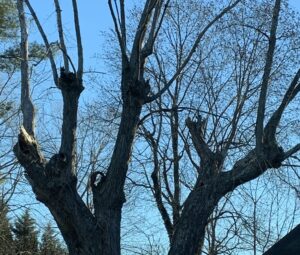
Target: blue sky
[(295, 3), (94, 18)]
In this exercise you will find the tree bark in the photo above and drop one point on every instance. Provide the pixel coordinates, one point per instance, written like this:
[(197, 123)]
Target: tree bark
[(190, 230), (109, 195), (54, 181)]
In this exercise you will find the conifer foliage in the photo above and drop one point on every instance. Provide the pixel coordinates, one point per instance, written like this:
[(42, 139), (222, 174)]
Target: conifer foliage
[(22, 236), (6, 238), (50, 245), (26, 235)]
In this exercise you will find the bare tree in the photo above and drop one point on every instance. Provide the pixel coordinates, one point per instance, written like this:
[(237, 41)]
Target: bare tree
[(54, 181), (226, 76), (213, 183), (97, 230)]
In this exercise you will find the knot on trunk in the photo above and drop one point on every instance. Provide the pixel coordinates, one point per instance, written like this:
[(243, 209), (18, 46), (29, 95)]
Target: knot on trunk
[(140, 90), (56, 165), (274, 155), (97, 179), (26, 149), (68, 81)]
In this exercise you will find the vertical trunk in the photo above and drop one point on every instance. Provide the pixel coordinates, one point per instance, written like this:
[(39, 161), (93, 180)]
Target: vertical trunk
[(109, 193), (26, 103), (175, 135), (110, 221), (189, 233), (78, 226)]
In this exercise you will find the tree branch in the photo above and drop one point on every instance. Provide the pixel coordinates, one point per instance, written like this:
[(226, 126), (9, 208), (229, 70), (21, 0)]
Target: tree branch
[(121, 39), (192, 51), (61, 35), (71, 88), (155, 27), (292, 151), (291, 93), (136, 62), (196, 129), (79, 41), (46, 42), (266, 78), (26, 103), (157, 186)]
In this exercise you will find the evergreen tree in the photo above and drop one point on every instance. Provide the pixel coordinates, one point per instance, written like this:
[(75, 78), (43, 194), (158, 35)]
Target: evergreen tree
[(8, 19), (6, 238), (50, 245), (9, 32), (26, 235)]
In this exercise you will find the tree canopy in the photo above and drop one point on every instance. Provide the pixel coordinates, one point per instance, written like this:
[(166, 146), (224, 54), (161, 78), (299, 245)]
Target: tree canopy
[(194, 117)]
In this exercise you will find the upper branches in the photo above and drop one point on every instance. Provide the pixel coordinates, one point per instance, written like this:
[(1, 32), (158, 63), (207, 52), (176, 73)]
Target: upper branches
[(291, 93), (61, 35), (120, 25), (46, 42), (79, 41), (146, 33), (26, 103), (70, 83), (266, 78), (192, 50)]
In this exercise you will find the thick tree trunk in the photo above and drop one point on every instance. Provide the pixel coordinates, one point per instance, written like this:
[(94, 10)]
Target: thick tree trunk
[(52, 187), (54, 181), (189, 232), (78, 226), (109, 195)]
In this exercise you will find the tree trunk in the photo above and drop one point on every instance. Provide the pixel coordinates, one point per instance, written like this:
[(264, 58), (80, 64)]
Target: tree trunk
[(78, 226), (189, 232), (54, 184), (109, 195)]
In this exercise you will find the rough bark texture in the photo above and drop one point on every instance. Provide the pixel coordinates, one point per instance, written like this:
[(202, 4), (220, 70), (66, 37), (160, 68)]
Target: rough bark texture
[(108, 194), (54, 181), (190, 229), (212, 185)]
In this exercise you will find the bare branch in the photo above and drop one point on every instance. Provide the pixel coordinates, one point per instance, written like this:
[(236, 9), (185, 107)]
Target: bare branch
[(196, 131), (292, 151), (123, 23), (61, 35), (135, 60), (251, 166), (266, 78), (157, 186), (292, 91), (71, 88), (46, 42), (192, 51), (155, 27), (120, 35), (26, 103), (78, 39)]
